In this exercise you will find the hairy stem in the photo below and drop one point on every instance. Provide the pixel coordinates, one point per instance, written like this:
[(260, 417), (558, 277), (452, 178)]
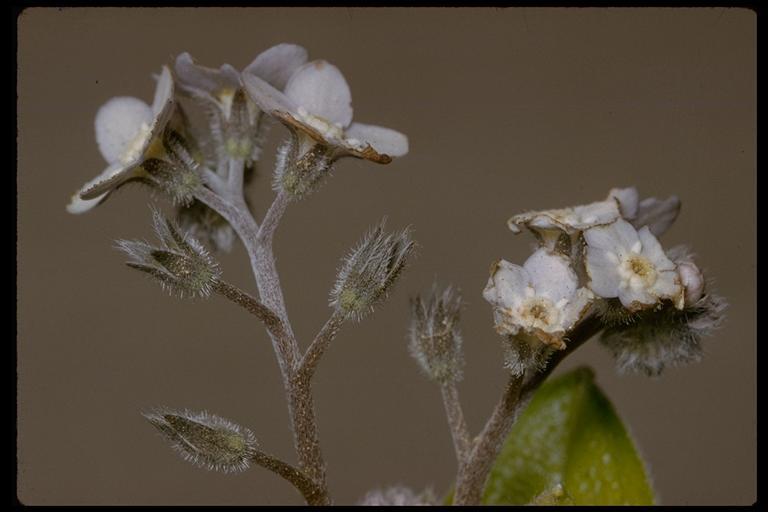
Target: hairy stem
[(312, 356), (308, 489), (472, 477), (258, 244), (306, 435), (236, 170), (487, 446), (268, 317), (456, 422)]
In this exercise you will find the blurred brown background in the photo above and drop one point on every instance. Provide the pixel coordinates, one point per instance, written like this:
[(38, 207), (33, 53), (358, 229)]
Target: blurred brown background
[(506, 110)]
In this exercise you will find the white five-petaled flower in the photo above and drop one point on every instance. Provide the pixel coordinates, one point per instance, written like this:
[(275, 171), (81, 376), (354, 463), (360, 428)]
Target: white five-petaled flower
[(631, 265), (542, 297), (317, 106), (625, 203), (127, 131), (274, 65)]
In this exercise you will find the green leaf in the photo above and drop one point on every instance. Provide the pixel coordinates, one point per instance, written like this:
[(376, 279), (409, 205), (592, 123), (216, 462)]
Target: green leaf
[(569, 447)]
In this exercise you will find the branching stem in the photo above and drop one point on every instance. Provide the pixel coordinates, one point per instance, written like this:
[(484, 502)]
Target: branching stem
[(308, 489)]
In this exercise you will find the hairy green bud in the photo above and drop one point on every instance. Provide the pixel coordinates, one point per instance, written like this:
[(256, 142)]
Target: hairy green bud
[(435, 339), (369, 271), (206, 440)]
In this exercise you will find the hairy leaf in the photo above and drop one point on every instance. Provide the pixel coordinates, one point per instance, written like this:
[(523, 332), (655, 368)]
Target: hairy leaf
[(569, 446)]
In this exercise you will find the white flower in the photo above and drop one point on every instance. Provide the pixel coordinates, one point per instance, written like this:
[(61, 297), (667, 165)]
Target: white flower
[(274, 65), (128, 131), (317, 106), (550, 225), (541, 298), (631, 265)]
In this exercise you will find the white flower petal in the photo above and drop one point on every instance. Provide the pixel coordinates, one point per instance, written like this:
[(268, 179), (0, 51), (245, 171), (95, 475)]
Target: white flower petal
[(653, 251), (628, 200), (267, 97), (198, 78), (667, 286), (657, 214), (384, 140), (618, 237), (163, 92), (320, 88), (110, 178), (631, 297), (593, 214), (276, 65), (574, 309), (507, 284), (118, 123), (77, 205), (603, 270), (551, 275)]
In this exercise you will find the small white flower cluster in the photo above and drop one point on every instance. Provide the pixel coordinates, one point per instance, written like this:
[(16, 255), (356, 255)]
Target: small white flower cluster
[(603, 256), (311, 98)]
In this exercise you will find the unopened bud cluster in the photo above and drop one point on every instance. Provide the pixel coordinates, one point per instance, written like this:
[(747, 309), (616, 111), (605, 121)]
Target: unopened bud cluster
[(435, 338), (205, 439), (180, 263), (369, 271), (603, 259)]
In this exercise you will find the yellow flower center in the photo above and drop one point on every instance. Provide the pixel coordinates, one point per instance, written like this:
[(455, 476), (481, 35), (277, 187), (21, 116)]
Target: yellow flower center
[(637, 272)]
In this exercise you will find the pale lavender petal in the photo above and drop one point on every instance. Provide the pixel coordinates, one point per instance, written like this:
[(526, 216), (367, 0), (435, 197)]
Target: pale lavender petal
[(110, 178), (276, 65), (603, 270), (628, 200), (320, 88), (507, 284), (657, 214), (118, 123), (267, 97), (634, 298), (192, 76), (573, 311), (77, 205), (551, 275), (618, 237), (384, 140), (651, 249)]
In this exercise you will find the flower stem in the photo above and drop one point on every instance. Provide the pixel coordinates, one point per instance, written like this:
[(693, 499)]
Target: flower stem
[(472, 476)]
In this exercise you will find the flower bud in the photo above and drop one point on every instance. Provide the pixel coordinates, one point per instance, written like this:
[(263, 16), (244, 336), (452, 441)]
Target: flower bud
[(692, 280), (369, 271), (524, 352), (435, 339), (206, 440), (665, 336), (180, 264), (300, 176)]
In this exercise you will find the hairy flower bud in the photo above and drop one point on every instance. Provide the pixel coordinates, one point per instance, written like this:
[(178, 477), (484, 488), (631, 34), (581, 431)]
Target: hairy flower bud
[(370, 270), (181, 264), (206, 440), (301, 173), (665, 336), (692, 280), (524, 352), (435, 339), (177, 175)]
